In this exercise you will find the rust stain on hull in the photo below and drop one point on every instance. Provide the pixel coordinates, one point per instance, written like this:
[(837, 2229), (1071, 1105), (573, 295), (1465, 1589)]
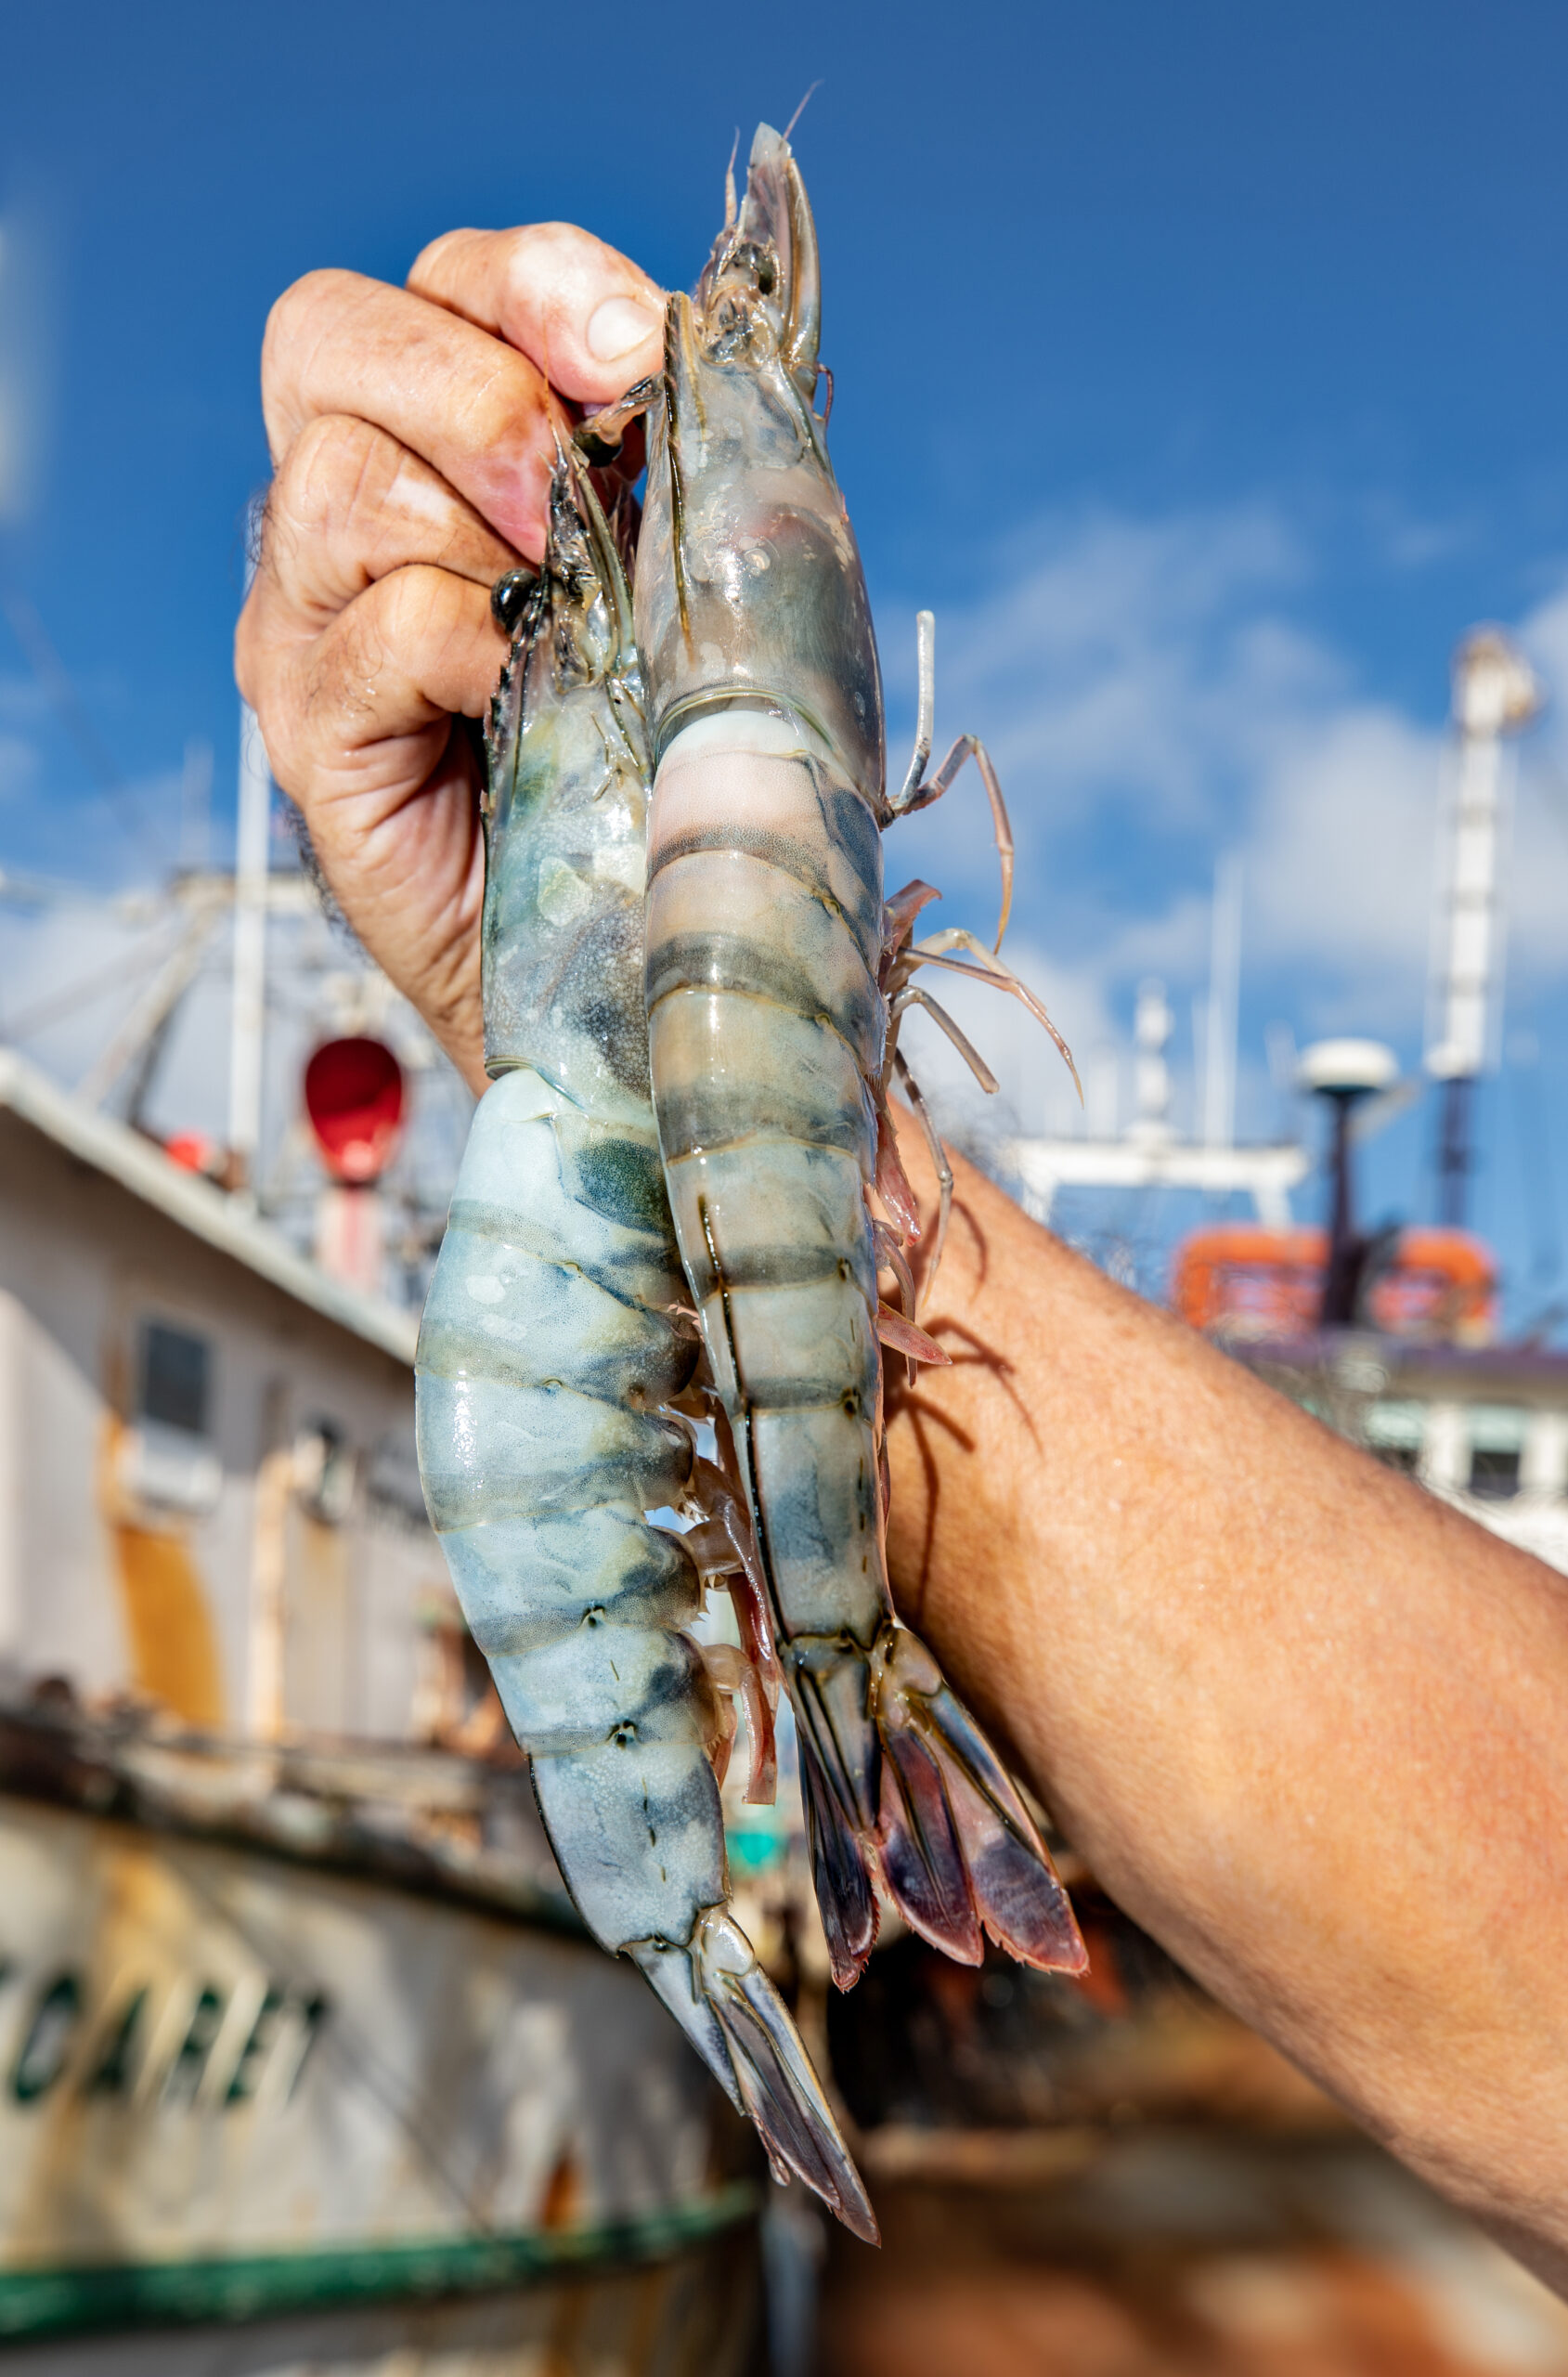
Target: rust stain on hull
[(174, 1653), (168, 1621)]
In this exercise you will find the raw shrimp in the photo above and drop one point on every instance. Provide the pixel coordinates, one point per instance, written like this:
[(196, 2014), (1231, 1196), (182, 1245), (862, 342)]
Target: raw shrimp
[(770, 960), (555, 1346)]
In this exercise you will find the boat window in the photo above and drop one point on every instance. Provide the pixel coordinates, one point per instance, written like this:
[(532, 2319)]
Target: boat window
[(1496, 1443), (1394, 1432), (174, 1386)]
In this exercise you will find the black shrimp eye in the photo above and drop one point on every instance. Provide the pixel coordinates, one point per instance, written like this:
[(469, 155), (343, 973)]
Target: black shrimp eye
[(600, 452), (509, 594), (762, 265)]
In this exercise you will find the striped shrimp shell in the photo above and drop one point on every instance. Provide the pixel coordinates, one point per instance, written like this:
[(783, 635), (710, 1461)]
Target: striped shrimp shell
[(550, 1352), (766, 940)]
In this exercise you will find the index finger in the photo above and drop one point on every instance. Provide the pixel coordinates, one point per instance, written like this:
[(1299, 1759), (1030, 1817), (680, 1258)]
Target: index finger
[(588, 317)]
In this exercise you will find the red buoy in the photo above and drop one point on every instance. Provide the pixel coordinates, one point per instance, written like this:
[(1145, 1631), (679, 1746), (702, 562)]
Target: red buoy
[(354, 1097)]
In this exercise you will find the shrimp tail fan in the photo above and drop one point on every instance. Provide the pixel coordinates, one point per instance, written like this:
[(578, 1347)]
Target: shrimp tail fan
[(846, 1897), (740, 2026), (958, 1849), (839, 1759)]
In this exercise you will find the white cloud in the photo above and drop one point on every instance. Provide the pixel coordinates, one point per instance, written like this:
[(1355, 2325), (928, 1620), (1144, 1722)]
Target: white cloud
[(1152, 702), (1122, 654), (1339, 850)]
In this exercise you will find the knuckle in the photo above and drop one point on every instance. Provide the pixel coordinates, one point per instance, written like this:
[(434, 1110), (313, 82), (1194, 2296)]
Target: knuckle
[(369, 676), (502, 410), (388, 618), (339, 681), (532, 244), (300, 324), (248, 655), (378, 652), (432, 261), (266, 685), (543, 256), (336, 464), (300, 303), (413, 609)]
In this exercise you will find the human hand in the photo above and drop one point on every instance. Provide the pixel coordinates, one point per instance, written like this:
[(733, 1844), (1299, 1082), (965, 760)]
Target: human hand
[(411, 433)]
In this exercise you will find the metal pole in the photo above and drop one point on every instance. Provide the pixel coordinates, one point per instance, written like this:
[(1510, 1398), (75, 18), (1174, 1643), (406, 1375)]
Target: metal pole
[(1341, 1272), (1454, 1156), (1342, 1074), (1473, 932), (1152, 1024), (1495, 694), (1225, 990), (249, 1021)]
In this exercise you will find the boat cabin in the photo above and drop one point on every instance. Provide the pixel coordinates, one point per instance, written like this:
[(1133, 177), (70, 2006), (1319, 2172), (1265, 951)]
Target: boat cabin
[(209, 1496)]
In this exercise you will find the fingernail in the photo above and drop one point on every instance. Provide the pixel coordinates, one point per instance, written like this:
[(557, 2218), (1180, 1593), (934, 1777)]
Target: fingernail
[(618, 325)]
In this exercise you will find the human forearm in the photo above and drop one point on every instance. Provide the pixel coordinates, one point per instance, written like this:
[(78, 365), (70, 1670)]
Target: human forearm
[(1305, 1721)]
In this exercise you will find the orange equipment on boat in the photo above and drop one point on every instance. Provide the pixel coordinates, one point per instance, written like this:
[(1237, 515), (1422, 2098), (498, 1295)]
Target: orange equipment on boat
[(1241, 1280)]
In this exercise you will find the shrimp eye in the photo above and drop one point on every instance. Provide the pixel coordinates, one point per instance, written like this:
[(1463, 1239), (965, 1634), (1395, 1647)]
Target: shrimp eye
[(599, 451), (594, 1617), (762, 267), (624, 1735), (508, 596)]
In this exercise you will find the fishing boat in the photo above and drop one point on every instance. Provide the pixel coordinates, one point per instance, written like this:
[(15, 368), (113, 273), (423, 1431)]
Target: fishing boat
[(305, 2055)]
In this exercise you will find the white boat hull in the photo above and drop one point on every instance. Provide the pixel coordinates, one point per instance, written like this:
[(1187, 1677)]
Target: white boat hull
[(238, 2086)]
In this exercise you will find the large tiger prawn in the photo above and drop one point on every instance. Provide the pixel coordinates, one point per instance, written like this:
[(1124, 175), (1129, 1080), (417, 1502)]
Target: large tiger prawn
[(776, 978), (553, 1357)]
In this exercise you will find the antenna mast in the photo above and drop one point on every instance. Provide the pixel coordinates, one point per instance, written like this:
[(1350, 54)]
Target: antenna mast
[(1496, 693)]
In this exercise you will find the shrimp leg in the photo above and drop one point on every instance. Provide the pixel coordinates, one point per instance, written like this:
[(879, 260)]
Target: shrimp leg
[(919, 791)]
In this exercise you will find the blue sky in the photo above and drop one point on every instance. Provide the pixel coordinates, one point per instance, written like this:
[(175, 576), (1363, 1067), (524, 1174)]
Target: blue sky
[(1204, 367)]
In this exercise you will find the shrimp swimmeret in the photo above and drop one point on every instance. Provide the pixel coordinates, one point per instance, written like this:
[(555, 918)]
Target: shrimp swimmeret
[(555, 1351)]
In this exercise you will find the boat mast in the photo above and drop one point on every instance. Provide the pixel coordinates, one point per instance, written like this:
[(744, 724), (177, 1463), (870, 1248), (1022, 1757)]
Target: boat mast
[(1496, 693), (248, 1014)]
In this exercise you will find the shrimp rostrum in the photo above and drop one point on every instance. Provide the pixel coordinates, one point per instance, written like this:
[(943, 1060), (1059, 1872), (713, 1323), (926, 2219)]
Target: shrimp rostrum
[(556, 1359), (775, 977)]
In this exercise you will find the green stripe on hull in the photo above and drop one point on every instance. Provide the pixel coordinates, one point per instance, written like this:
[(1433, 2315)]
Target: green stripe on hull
[(258, 2286)]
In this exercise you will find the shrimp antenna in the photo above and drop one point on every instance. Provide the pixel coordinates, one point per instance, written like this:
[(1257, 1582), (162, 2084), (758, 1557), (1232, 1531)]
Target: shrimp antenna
[(801, 109), (730, 208)]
